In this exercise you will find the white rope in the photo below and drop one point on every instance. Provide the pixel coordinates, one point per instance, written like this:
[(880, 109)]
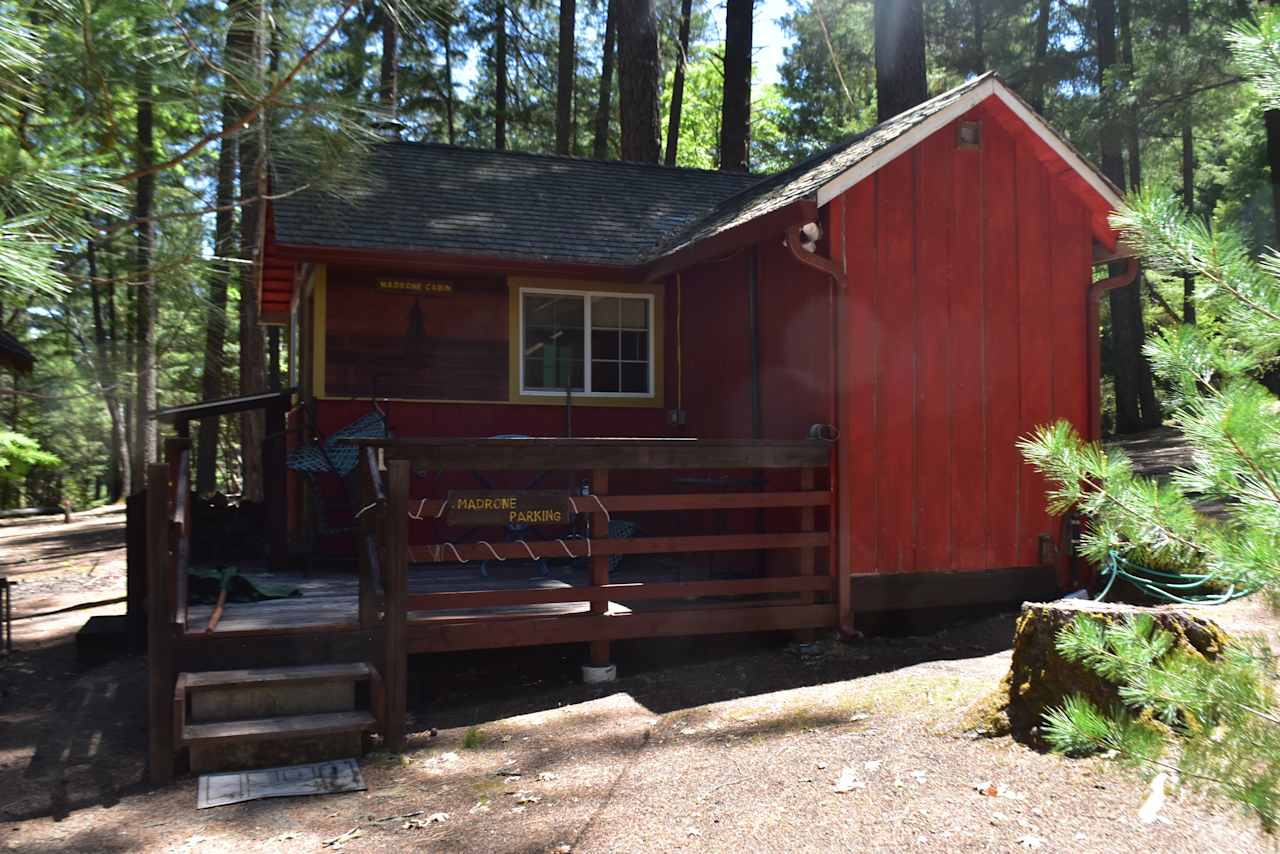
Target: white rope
[(491, 549), (532, 556), (422, 505), (599, 503), (436, 551), (365, 509)]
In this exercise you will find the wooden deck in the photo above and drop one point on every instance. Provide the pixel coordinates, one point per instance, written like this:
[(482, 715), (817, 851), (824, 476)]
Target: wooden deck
[(329, 603)]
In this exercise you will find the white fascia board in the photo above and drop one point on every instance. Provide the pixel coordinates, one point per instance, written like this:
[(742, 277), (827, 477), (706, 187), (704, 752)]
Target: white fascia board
[(950, 113), (1051, 139), (908, 140)]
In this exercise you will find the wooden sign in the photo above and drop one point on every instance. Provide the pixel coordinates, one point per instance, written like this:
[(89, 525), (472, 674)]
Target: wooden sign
[(508, 507), (420, 287)]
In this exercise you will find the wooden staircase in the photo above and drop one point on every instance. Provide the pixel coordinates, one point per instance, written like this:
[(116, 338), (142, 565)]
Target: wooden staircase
[(222, 714)]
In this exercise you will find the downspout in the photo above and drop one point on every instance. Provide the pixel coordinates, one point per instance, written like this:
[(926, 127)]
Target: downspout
[(836, 275), (1096, 290)]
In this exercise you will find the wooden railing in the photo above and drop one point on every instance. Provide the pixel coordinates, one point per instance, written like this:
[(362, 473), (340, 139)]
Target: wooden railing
[(384, 553), (168, 526)]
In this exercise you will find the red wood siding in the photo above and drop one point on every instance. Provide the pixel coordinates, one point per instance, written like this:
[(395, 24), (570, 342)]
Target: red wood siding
[(964, 328)]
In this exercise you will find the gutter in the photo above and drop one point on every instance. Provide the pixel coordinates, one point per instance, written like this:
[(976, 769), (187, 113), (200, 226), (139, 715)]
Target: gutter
[(1096, 290)]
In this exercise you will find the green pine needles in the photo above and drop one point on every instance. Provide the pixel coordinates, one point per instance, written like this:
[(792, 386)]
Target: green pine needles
[(1215, 521), (1214, 721)]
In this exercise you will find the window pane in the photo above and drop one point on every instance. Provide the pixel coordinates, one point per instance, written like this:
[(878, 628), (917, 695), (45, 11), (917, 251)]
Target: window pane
[(635, 314), (604, 312), (635, 346), (604, 376), (635, 378), (546, 375), (604, 344), (554, 341)]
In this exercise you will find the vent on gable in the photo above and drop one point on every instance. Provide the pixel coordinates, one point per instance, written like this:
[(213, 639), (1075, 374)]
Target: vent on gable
[(969, 135)]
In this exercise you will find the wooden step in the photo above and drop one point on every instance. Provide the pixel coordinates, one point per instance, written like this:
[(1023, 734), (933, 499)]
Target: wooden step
[(357, 672), (266, 729)]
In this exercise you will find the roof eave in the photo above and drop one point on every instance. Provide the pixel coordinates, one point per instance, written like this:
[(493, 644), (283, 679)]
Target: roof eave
[(766, 226)]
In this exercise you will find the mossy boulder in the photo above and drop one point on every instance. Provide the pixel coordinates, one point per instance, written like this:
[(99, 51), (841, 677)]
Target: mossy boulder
[(1040, 679)]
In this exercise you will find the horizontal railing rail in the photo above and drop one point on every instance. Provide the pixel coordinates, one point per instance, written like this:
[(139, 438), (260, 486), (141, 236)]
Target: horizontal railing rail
[(537, 454)]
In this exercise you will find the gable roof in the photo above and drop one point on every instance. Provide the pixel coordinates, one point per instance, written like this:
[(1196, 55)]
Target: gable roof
[(444, 199), (823, 176), (468, 203), (14, 355)]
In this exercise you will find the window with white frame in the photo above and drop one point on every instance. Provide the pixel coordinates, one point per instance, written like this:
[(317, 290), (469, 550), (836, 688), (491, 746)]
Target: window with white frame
[(594, 343)]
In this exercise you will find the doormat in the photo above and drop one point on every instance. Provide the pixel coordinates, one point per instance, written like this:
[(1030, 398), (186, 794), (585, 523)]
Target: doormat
[(318, 778)]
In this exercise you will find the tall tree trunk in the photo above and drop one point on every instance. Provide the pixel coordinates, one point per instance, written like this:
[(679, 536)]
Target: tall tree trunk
[(145, 308), (639, 78), (735, 116), (108, 378), (677, 84), (1039, 73), (1188, 174), (500, 86), (245, 49), (446, 27), (566, 74), (1135, 396), (600, 145), (211, 380), (900, 65), (979, 36), (388, 68)]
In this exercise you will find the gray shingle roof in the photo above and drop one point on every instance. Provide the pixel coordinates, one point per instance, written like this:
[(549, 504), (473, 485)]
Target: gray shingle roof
[(805, 178), (462, 201), (472, 202)]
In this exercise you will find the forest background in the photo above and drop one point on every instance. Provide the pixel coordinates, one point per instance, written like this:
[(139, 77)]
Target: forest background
[(136, 137)]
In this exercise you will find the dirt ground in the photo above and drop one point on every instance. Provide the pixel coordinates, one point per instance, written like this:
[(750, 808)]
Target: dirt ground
[(708, 744)]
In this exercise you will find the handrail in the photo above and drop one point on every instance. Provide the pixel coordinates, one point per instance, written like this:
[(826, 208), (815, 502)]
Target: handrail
[(553, 454)]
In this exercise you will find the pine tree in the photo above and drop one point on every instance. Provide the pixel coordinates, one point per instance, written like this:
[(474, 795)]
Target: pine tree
[(1224, 712)]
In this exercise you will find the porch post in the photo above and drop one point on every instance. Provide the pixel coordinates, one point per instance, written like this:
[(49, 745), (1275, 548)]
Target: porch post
[(160, 639), (598, 668), (395, 581)]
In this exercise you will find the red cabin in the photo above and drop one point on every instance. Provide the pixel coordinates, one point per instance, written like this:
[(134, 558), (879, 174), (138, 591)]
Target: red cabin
[(800, 393)]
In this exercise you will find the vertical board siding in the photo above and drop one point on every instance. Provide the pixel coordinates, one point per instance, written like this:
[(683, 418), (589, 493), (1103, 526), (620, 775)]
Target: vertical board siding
[(964, 329), (1035, 342), (1001, 391), (895, 271), (859, 378), (934, 192), (1071, 265), (968, 486)]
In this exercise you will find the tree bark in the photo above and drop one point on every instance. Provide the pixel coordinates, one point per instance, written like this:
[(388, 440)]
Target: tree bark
[(677, 84), (108, 376), (979, 36), (446, 27), (600, 145), (145, 309), (388, 69), (245, 50), (735, 116), (1039, 73), (638, 81), (566, 75), (1188, 174), (1134, 392), (211, 380), (900, 64), (500, 83)]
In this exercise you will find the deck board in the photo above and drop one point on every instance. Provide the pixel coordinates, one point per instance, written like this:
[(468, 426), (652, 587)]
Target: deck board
[(329, 602)]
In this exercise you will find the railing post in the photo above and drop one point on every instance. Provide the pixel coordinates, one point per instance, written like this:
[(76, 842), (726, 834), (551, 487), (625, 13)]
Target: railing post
[(599, 654), (366, 537), (808, 555), (395, 583), (160, 639)]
